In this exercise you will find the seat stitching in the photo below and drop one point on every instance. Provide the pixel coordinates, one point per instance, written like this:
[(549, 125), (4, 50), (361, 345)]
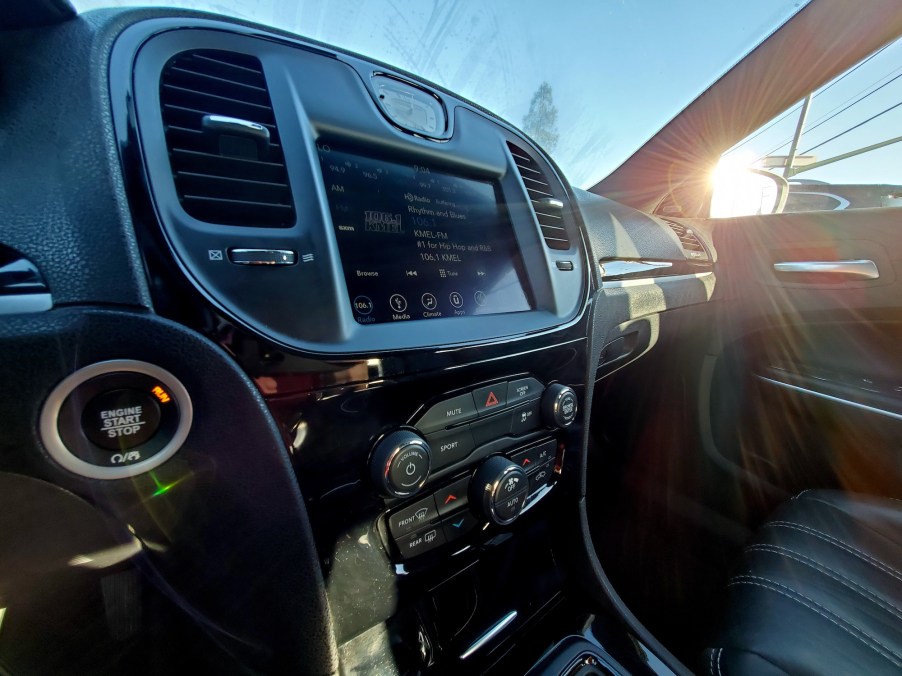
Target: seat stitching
[(889, 570), (711, 662), (847, 627), (802, 493), (836, 575), (857, 520), (719, 653)]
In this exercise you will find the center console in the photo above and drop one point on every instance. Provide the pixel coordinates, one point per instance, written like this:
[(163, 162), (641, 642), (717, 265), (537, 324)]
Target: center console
[(404, 278)]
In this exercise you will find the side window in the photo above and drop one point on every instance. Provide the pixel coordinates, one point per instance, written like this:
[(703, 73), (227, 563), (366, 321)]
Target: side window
[(841, 146)]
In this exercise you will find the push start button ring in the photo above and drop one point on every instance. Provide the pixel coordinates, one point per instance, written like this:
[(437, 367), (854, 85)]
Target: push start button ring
[(138, 412)]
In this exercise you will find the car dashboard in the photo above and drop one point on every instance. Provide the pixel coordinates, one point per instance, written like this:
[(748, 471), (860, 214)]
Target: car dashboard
[(310, 375)]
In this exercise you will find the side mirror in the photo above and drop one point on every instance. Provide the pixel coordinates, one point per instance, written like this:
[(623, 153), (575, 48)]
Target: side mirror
[(747, 192)]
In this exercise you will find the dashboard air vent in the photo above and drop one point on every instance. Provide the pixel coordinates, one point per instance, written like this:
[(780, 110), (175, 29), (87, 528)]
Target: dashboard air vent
[(224, 147), (547, 208), (691, 244)]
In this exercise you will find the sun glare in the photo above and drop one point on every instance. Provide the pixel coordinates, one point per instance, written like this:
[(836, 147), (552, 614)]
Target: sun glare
[(738, 191)]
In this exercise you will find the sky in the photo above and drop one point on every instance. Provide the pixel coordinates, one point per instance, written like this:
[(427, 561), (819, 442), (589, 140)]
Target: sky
[(864, 91), (619, 69)]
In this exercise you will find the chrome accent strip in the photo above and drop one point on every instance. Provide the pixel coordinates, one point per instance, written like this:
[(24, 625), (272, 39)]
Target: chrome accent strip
[(835, 400), (856, 269), (280, 256), (24, 303), (496, 629), (651, 280), (621, 268)]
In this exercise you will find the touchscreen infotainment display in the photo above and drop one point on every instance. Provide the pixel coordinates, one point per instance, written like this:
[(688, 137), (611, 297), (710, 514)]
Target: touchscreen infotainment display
[(420, 243)]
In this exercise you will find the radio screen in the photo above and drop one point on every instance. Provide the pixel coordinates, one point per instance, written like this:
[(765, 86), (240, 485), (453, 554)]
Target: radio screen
[(418, 243)]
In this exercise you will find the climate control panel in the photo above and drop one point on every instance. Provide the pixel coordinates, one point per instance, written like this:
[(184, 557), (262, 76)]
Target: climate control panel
[(490, 447), (495, 494)]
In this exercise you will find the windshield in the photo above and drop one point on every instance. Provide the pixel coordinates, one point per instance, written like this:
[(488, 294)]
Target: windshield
[(589, 81)]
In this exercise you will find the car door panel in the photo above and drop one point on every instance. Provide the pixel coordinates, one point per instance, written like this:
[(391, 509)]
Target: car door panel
[(807, 388)]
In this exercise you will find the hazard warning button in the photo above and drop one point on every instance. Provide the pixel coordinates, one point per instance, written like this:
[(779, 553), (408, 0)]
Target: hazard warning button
[(491, 398)]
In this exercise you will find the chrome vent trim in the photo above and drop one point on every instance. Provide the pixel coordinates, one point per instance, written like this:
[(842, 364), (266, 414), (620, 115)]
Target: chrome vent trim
[(689, 241), (548, 209), (224, 147)]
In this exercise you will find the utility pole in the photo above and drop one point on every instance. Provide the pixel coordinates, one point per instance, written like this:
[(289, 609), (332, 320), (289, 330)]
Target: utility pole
[(793, 149)]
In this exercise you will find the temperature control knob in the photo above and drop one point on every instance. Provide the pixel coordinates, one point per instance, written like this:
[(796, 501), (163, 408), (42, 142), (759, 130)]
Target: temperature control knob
[(400, 464), (499, 490), (559, 405)]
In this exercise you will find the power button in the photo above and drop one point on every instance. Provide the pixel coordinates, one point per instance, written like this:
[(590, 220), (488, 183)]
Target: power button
[(409, 468), (400, 463)]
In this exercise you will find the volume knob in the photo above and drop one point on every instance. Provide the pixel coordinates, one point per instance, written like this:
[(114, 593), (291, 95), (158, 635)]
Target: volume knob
[(400, 464)]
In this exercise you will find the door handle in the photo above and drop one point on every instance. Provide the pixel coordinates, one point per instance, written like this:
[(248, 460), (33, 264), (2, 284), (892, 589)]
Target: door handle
[(857, 269)]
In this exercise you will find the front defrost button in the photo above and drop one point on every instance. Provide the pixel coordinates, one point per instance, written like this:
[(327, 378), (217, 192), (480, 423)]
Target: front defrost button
[(411, 518)]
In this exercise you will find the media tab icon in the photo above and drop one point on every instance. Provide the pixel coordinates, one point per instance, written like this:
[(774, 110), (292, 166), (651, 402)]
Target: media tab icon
[(398, 302)]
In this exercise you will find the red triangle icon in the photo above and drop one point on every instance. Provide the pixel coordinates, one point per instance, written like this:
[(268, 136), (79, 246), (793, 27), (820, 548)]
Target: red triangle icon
[(492, 400)]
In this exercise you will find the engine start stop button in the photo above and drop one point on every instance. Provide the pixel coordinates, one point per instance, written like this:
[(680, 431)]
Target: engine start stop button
[(121, 419), (115, 419)]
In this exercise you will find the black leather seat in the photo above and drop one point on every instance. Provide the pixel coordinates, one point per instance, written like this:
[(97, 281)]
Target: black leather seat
[(819, 591)]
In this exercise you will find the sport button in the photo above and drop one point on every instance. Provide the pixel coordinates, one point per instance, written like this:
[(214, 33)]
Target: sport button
[(450, 446), (121, 419)]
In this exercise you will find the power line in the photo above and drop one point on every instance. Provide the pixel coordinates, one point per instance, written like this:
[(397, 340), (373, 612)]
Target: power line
[(843, 133), (813, 127), (761, 131), (827, 116), (825, 89)]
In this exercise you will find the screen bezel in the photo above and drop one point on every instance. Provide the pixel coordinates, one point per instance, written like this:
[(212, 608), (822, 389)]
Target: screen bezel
[(303, 307), (542, 280)]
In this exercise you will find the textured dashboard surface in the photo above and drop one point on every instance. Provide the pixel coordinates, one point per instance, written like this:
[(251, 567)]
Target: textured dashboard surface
[(62, 198), (231, 533)]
